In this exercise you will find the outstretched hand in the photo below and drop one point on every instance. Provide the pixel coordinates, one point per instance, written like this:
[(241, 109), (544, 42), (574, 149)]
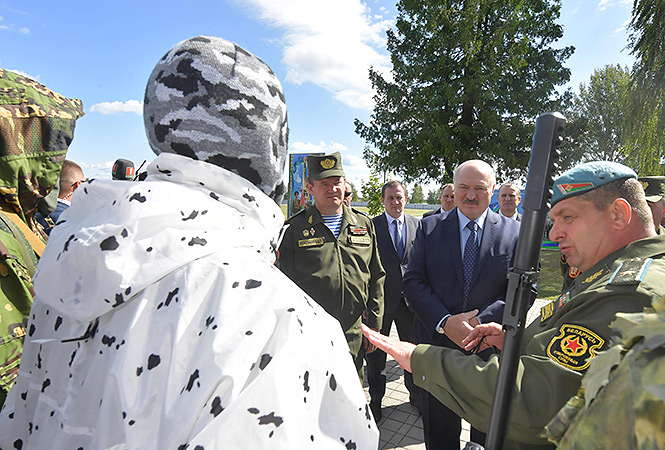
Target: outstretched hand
[(399, 350), (487, 335)]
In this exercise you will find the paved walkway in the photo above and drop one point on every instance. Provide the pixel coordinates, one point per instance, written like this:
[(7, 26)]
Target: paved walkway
[(401, 426)]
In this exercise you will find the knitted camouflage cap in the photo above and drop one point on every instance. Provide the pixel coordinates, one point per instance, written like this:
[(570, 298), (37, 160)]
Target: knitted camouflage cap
[(36, 128), (213, 101)]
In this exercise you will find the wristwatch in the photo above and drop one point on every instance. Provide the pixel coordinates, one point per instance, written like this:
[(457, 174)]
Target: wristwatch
[(442, 325)]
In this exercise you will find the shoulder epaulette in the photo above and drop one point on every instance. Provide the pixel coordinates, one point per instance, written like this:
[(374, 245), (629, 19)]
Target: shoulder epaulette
[(629, 272), (295, 215), (360, 212)]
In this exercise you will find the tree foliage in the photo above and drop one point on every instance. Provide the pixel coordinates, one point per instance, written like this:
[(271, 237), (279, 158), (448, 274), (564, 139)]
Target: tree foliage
[(417, 195), (433, 197), (646, 147), (601, 114), (372, 194), (469, 78)]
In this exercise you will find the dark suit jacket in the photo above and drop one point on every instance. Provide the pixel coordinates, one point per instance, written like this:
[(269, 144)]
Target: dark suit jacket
[(395, 269), (432, 212), (434, 280)]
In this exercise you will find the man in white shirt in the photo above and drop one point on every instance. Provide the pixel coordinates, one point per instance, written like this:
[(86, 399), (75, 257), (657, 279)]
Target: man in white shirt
[(509, 197)]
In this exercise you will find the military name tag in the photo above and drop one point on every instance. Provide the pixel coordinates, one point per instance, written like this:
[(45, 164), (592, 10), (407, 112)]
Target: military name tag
[(310, 242), (547, 311), (574, 347), (365, 240)]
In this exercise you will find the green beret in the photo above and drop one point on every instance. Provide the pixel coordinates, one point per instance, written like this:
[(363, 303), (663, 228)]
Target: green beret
[(654, 188), (320, 167), (587, 177)]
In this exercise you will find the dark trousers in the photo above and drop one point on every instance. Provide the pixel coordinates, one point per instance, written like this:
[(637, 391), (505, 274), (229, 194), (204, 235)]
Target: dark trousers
[(376, 361), (441, 426)]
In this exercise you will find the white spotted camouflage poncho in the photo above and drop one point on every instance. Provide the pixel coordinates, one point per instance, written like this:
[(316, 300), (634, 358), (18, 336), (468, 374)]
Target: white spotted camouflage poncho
[(161, 323)]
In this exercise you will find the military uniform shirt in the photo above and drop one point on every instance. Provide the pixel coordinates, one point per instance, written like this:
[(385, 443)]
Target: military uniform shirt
[(556, 348), (343, 275)]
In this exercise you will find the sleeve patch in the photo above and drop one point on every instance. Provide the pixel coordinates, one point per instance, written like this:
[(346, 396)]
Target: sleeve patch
[(574, 346)]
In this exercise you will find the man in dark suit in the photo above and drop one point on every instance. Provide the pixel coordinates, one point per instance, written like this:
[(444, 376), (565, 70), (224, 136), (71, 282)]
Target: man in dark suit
[(395, 232), (509, 197), (447, 200), (456, 279)]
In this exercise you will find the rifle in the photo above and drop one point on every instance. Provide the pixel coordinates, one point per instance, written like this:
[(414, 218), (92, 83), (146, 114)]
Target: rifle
[(519, 296)]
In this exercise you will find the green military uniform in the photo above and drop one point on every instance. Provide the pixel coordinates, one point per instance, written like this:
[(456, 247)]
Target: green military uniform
[(557, 347), (621, 403), (36, 127), (344, 275)]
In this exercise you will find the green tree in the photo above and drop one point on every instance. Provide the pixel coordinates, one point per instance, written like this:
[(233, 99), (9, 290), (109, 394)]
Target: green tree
[(354, 197), (646, 133), (372, 194), (601, 111), (469, 78), (417, 195), (433, 197)]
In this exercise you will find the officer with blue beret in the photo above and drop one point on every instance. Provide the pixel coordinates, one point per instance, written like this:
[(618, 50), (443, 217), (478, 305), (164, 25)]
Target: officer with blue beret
[(603, 226)]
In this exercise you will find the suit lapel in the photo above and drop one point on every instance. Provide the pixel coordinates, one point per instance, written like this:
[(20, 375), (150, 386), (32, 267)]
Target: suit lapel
[(451, 228)]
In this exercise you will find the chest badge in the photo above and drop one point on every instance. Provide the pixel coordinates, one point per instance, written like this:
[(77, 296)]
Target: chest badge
[(358, 231)]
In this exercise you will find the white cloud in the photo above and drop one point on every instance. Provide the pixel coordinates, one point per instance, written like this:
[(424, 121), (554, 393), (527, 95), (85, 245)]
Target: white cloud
[(623, 28), (97, 170), (302, 147), (331, 43), (604, 4), (12, 27), (106, 108), (20, 72)]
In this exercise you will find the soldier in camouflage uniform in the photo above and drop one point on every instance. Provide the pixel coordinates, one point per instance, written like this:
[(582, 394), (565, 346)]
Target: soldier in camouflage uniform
[(621, 403), (36, 127), (603, 226), (342, 272)]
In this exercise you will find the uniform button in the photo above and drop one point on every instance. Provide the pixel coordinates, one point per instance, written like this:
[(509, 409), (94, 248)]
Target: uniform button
[(422, 378)]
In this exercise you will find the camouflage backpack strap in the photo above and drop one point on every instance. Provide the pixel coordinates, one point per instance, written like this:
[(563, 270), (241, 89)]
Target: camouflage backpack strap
[(23, 236)]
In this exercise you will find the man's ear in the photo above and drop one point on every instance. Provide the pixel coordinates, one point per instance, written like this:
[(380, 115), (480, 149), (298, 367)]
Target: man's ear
[(622, 213)]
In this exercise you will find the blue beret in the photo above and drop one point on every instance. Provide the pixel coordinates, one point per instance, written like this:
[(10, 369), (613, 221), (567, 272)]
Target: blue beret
[(587, 177)]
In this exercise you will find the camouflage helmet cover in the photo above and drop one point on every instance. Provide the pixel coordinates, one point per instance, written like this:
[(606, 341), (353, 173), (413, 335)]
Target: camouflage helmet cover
[(36, 128)]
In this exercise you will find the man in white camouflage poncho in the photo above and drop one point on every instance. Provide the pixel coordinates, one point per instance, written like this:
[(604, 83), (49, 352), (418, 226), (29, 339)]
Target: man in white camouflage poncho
[(160, 320)]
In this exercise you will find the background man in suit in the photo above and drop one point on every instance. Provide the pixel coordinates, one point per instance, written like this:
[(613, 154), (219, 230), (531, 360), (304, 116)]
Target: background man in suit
[(447, 200), (509, 197), (444, 285), (395, 232)]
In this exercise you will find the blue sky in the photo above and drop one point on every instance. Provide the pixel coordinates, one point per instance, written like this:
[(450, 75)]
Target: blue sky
[(103, 53)]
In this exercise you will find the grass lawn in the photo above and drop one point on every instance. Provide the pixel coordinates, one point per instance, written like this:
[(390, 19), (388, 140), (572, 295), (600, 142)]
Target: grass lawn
[(549, 280)]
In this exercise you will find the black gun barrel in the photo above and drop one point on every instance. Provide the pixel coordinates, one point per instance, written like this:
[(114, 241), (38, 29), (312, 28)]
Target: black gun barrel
[(519, 296)]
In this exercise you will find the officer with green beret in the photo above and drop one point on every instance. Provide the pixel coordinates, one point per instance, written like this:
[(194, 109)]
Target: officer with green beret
[(654, 188), (330, 251), (36, 127), (603, 226)]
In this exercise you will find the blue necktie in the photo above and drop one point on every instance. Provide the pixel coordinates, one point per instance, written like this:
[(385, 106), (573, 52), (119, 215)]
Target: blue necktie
[(471, 252), (398, 240)]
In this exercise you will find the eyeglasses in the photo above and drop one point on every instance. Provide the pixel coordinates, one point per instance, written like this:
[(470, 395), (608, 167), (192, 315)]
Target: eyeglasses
[(348, 194)]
